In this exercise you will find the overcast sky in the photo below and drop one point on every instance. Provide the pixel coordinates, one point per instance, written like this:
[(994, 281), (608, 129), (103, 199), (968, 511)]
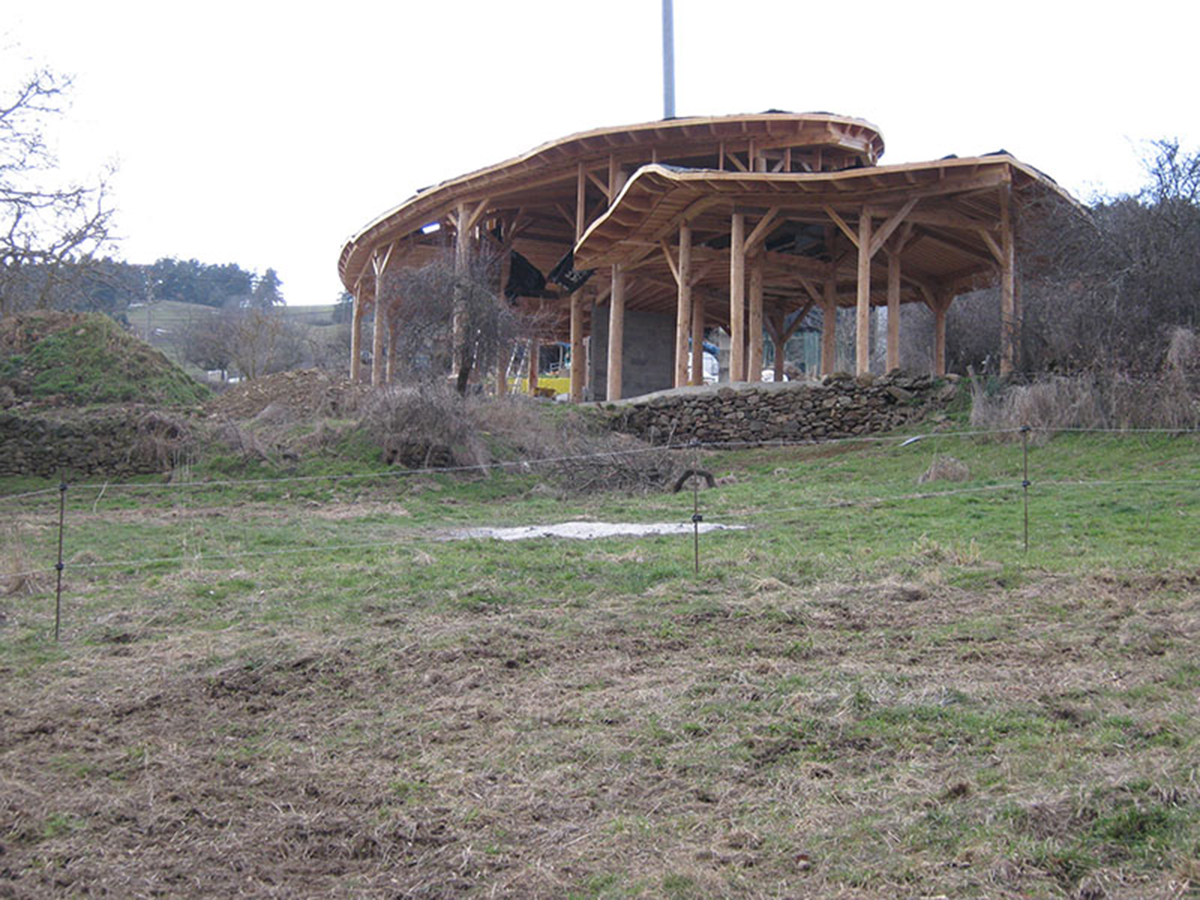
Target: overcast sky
[(267, 133)]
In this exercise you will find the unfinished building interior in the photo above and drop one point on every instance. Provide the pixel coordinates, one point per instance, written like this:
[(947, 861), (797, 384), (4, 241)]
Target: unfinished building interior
[(650, 236)]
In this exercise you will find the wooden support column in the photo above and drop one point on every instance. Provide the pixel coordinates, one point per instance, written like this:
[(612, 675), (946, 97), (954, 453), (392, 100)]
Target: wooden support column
[(535, 349), (356, 334), (754, 359), (829, 306), (1008, 310), (697, 338), (462, 247), (378, 332), (683, 312), (940, 305), (616, 334), (893, 310), (829, 325), (505, 356), (379, 328), (578, 366), (862, 319), (737, 298)]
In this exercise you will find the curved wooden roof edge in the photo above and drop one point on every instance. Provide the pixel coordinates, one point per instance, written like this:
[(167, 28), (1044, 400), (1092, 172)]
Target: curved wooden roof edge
[(651, 183), (430, 203)]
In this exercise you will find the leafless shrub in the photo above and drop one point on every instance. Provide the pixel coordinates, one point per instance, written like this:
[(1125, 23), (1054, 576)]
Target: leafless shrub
[(591, 462), (944, 468), (423, 426), (432, 426), (163, 438)]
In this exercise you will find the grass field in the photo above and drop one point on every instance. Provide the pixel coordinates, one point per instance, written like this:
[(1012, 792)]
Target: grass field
[(303, 687)]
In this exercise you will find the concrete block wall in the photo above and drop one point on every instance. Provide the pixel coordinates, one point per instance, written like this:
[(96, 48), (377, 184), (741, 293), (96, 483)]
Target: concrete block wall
[(649, 363)]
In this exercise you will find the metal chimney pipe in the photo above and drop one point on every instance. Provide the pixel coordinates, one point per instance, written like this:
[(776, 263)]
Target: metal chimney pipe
[(668, 60)]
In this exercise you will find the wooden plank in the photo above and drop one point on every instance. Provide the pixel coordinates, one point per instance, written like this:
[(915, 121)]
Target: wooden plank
[(893, 308), (798, 321), (595, 179), (841, 224), (995, 248), (683, 310), (862, 319), (473, 219), (666, 251), (616, 334), (885, 230), (737, 297), (809, 288), (755, 326), (760, 230)]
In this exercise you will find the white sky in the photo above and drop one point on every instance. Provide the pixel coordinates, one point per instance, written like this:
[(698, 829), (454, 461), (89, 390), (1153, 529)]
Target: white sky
[(265, 133)]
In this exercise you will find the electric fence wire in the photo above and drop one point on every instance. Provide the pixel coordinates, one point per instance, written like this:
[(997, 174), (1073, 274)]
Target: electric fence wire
[(878, 500), (530, 463)]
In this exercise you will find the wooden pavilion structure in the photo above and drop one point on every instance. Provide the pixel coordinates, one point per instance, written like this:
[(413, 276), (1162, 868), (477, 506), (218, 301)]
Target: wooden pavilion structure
[(745, 222)]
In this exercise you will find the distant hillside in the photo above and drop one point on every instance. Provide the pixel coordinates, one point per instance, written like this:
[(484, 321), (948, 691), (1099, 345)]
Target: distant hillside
[(76, 359)]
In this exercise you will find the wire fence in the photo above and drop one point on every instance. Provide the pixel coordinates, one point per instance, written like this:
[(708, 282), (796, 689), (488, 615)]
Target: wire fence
[(89, 530)]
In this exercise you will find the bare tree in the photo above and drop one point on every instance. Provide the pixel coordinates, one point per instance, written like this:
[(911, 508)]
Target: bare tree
[(440, 302), (253, 342), (45, 222)]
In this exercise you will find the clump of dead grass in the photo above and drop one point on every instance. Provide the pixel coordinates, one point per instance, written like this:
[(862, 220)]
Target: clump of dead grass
[(944, 468), (17, 575)]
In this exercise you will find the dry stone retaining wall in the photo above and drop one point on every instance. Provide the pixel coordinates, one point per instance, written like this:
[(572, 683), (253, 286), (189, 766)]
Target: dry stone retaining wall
[(839, 406), (112, 445)]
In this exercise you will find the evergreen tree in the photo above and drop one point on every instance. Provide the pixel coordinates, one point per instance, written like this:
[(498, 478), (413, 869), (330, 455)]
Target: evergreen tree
[(266, 291)]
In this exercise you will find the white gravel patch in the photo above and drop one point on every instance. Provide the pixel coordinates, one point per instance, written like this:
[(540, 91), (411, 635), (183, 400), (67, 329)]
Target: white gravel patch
[(588, 531)]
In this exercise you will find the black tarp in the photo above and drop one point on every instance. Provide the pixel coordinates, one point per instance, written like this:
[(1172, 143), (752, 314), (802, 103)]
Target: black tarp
[(524, 278), (566, 276)]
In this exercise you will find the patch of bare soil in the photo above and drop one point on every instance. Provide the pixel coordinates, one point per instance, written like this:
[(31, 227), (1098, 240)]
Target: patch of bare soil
[(862, 740), (304, 393)]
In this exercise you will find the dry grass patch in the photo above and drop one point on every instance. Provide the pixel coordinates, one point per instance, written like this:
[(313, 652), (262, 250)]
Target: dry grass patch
[(868, 739)]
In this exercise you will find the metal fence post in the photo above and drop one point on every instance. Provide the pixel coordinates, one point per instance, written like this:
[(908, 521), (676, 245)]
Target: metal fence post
[(1025, 480), (62, 513), (696, 517)]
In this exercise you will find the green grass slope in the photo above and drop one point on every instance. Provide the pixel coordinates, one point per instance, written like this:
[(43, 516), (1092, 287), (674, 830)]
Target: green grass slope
[(83, 359)]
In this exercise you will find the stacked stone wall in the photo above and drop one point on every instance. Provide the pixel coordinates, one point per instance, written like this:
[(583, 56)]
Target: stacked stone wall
[(109, 445), (838, 407)]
